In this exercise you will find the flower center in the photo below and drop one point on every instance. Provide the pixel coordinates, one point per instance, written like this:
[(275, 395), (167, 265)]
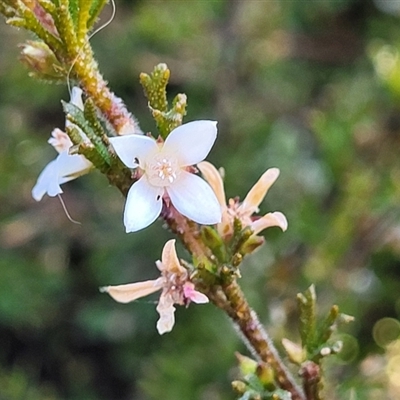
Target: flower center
[(60, 140), (162, 170)]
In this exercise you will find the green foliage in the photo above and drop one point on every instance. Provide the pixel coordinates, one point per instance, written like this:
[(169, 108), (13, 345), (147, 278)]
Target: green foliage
[(315, 336), (17, 385), (154, 86), (98, 140)]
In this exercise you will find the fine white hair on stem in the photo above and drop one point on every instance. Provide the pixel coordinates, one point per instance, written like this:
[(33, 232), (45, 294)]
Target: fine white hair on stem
[(66, 211), (246, 341), (108, 22)]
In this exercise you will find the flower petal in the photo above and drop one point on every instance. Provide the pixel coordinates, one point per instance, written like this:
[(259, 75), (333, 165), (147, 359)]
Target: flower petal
[(258, 191), (191, 142), (214, 179), (132, 291), (143, 204), (60, 140), (271, 219), (47, 182), (72, 166), (132, 147), (167, 314), (195, 199), (170, 261), (76, 97), (193, 295)]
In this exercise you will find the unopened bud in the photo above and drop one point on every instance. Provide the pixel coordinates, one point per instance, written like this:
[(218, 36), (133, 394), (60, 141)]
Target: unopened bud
[(239, 387), (266, 375), (325, 351), (295, 352), (41, 60), (213, 240), (251, 244), (246, 364)]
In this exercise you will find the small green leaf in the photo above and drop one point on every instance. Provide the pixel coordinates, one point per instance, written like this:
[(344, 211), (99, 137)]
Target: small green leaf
[(74, 11), (154, 86), (95, 10), (307, 305), (214, 242), (327, 326), (77, 117)]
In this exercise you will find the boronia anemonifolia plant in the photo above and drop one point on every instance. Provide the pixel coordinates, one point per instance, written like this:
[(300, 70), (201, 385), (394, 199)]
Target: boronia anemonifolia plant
[(164, 175)]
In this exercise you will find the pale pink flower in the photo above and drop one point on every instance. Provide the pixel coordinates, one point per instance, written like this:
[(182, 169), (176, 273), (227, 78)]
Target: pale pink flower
[(164, 174), (65, 167), (244, 211), (174, 283)]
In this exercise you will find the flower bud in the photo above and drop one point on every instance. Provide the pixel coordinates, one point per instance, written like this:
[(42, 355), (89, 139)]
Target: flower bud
[(41, 60), (251, 244), (246, 364), (295, 352), (239, 387), (213, 240), (266, 375)]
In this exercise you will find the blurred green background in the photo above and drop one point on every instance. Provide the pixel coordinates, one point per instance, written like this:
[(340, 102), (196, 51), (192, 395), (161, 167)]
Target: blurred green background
[(311, 87)]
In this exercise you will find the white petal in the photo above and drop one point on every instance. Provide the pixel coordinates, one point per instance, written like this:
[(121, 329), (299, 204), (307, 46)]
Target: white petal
[(193, 295), (191, 142), (213, 177), (170, 261), (63, 169), (60, 140), (76, 97), (131, 147), (195, 199), (167, 315), (143, 205), (199, 298), (48, 182), (258, 191), (72, 166), (76, 100), (131, 291), (268, 220)]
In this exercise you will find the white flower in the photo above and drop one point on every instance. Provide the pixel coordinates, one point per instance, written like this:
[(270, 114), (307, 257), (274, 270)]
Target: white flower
[(164, 174), (244, 211), (174, 283), (65, 167)]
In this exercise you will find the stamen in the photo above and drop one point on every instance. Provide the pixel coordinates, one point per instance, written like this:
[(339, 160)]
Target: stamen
[(163, 171), (66, 211)]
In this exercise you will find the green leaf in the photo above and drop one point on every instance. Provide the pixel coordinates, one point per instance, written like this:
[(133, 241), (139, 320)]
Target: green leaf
[(154, 86), (95, 10), (327, 326), (307, 306), (213, 240), (77, 117), (74, 11)]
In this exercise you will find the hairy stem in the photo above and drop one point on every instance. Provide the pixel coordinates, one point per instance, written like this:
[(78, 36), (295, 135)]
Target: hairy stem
[(85, 71), (236, 306)]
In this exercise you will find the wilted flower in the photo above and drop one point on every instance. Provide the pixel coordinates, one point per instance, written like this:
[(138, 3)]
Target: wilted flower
[(41, 60), (244, 211), (65, 167), (174, 283), (164, 169)]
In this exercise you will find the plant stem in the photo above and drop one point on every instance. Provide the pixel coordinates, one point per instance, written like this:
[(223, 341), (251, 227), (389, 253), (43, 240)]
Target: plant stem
[(86, 71), (236, 306)]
